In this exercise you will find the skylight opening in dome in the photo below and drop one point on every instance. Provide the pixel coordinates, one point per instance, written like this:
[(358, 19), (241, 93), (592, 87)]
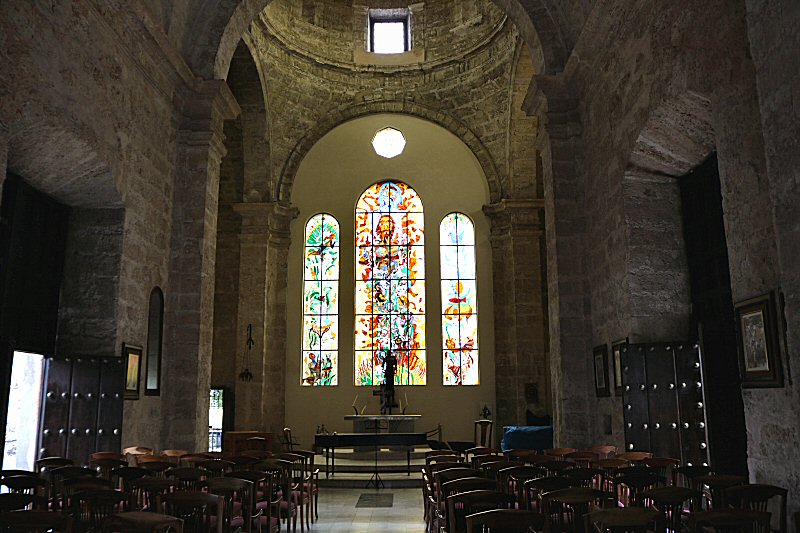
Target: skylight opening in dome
[(389, 143), (389, 37)]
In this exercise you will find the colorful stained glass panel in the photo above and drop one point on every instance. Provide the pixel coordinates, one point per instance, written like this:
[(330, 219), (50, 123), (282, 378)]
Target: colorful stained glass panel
[(459, 301), (321, 302), (390, 294)]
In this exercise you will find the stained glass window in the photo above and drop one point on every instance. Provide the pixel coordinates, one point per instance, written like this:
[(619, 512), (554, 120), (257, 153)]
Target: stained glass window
[(390, 285), (321, 302), (459, 301)]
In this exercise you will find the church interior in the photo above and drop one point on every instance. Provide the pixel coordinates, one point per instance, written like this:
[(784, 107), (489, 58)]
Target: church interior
[(588, 219)]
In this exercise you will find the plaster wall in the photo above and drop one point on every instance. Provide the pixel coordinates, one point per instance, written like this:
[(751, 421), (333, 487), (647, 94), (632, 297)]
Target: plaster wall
[(331, 178)]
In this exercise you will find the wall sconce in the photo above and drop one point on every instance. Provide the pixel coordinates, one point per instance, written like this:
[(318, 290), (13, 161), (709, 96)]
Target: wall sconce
[(246, 375)]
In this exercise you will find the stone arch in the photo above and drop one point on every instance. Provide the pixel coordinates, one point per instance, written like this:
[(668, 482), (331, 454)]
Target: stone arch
[(285, 180), (219, 25)]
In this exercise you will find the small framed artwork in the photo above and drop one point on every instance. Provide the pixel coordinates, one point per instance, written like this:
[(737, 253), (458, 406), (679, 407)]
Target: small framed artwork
[(616, 363), (759, 348), (133, 358), (600, 356)]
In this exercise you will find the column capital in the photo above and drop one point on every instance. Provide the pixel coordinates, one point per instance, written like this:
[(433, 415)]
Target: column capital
[(270, 219), (205, 108), (552, 100), (516, 215)]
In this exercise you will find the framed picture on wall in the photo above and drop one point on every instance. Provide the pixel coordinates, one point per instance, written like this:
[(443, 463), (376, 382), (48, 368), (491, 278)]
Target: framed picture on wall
[(759, 348), (616, 364), (600, 356), (133, 362)]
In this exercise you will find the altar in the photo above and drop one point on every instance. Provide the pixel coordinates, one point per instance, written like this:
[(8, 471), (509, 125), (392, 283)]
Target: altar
[(383, 423)]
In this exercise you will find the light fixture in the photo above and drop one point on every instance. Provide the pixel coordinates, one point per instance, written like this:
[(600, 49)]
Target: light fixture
[(389, 142)]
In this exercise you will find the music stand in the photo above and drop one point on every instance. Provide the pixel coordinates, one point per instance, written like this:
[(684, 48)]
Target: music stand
[(376, 477)]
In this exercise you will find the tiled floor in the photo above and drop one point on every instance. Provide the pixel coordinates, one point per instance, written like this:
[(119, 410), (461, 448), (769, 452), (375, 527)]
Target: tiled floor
[(338, 512)]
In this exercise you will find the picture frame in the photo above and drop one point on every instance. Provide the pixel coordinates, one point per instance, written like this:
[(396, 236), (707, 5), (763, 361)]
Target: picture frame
[(600, 358), (616, 364), (133, 364), (758, 343)]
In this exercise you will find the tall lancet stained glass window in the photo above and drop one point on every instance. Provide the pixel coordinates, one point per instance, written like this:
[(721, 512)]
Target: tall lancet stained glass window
[(390, 285), (321, 302), (459, 301)]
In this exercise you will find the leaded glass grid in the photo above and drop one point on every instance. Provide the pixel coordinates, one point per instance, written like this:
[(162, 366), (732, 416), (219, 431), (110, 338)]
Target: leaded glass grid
[(390, 284), (459, 301), (321, 302)]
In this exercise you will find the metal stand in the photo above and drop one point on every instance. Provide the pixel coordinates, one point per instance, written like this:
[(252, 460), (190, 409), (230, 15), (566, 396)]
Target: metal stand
[(376, 477)]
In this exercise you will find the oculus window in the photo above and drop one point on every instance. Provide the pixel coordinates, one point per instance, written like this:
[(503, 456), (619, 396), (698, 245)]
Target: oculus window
[(389, 31)]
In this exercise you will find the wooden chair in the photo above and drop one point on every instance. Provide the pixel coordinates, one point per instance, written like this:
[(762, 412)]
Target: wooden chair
[(49, 463), (510, 479), (603, 451), (634, 457), (262, 494), (432, 495), (663, 465), (491, 470), (154, 463), (187, 477), (533, 489), (104, 465), (622, 520), (565, 508), (235, 490), (216, 467), (671, 501), (559, 453), (713, 487), (26, 485), (555, 468), (72, 486), (201, 512), (91, 507), (461, 504), (505, 521), (56, 476), (482, 432), (729, 521), (36, 521), (18, 501), (12, 472), (582, 458), (288, 441), (122, 477), (283, 506), (586, 477), (610, 467), (759, 497), (146, 492), (312, 487), (142, 522), (257, 454), (300, 478), (132, 452), (628, 486), (174, 456)]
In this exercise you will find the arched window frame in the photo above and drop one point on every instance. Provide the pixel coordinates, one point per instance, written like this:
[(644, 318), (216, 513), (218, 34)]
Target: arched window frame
[(321, 273), (389, 284), (459, 297)]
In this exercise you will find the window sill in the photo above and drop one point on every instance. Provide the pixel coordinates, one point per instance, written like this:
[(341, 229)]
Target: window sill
[(412, 57)]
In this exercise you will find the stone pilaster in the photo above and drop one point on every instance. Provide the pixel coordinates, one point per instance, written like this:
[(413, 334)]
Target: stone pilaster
[(251, 309), (520, 311), (273, 399), (190, 297), (559, 144)]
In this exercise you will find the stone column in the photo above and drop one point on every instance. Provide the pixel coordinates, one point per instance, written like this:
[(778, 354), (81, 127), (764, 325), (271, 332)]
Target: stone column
[(273, 394), (517, 239), (188, 324), (251, 309), (559, 144)]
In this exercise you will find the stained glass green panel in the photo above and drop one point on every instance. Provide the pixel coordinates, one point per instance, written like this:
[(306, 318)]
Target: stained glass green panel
[(321, 302)]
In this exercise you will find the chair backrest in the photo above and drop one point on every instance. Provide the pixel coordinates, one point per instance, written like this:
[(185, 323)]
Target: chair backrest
[(288, 442), (482, 432), (147, 490), (216, 467), (18, 501), (671, 501), (49, 463), (122, 477), (465, 485), (505, 521), (107, 455), (603, 451), (586, 477), (26, 485), (187, 477), (533, 489), (715, 485), (566, 507), (622, 520), (104, 465), (201, 512), (510, 479), (760, 497), (686, 476), (262, 483), (729, 521), (91, 507), (634, 457), (582, 458), (629, 485), (233, 490), (36, 521), (560, 453), (461, 504), (174, 456)]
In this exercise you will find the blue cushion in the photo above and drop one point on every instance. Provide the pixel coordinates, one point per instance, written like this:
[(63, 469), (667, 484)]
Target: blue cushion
[(527, 437)]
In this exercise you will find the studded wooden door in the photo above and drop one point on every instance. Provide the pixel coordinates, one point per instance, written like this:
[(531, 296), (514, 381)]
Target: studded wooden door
[(82, 407), (664, 401)]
